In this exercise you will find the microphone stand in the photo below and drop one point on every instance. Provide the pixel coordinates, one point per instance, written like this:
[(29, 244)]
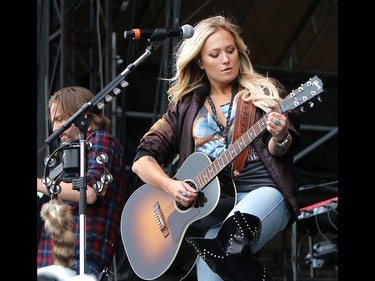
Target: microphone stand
[(78, 118), (80, 184)]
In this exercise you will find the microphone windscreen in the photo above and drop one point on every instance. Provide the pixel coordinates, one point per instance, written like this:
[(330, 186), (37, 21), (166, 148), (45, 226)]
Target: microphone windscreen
[(187, 31)]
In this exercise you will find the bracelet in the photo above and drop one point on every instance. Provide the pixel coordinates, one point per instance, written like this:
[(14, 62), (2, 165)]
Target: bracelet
[(284, 142)]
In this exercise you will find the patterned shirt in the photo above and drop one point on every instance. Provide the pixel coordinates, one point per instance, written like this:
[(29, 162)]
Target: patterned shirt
[(102, 217)]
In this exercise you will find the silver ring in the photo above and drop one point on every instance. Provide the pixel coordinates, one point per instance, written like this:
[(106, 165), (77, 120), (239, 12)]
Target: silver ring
[(277, 122), (184, 194)]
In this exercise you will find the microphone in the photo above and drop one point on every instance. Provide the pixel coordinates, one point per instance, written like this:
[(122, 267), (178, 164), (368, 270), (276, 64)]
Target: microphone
[(157, 34)]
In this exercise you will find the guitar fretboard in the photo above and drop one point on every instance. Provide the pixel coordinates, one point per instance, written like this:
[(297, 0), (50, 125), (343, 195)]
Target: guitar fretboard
[(204, 177)]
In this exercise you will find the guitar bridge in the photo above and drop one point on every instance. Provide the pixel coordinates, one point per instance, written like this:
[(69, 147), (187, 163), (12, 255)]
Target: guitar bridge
[(160, 220)]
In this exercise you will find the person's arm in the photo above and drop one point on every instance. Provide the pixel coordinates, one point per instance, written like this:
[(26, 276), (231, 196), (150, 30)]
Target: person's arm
[(68, 193), (280, 147), (281, 139), (150, 172)]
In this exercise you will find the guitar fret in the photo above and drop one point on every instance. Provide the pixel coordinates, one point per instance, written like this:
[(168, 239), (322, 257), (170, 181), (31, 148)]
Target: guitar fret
[(214, 169), (263, 123), (200, 179), (227, 157), (251, 135), (231, 151), (205, 176), (260, 129), (221, 163), (248, 136), (241, 145), (212, 173)]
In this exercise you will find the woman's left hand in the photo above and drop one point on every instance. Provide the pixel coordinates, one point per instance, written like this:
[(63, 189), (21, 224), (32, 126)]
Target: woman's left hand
[(276, 124)]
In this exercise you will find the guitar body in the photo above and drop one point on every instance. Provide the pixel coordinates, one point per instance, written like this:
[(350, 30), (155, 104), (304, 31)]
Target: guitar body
[(154, 225)]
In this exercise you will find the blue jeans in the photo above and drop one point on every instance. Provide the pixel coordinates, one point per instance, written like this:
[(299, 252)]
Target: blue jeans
[(269, 205)]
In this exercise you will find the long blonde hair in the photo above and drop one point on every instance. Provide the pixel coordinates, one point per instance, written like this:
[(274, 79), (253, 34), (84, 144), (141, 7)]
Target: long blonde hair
[(188, 76)]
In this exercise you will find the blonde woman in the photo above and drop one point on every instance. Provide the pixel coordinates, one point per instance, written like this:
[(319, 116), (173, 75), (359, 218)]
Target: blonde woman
[(213, 79)]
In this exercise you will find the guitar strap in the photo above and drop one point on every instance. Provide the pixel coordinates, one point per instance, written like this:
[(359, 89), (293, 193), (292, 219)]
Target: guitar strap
[(245, 118)]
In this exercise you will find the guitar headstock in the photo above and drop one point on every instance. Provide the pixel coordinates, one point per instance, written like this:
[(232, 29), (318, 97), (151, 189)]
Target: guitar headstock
[(303, 94)]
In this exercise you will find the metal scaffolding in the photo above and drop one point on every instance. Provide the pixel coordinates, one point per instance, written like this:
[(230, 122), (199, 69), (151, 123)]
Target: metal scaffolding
[(72, 49)]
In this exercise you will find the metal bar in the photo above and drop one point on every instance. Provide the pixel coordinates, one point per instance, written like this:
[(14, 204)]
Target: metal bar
[(316, 144)]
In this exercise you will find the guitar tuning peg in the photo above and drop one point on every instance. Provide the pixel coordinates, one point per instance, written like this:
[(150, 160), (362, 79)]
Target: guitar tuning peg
[(311, 104), (319, 99), (302, 109)]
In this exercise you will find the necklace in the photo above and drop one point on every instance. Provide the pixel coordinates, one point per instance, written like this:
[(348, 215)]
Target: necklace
[(223, 130)]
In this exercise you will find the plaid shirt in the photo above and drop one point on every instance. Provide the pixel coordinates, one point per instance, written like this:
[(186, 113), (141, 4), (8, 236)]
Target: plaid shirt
[(102, 217)]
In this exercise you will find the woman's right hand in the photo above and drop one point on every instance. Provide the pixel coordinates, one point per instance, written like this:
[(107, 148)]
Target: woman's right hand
[(182, 192), (150, 172)]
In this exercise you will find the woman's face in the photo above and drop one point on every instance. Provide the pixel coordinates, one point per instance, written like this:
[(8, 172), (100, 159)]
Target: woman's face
[(219, 58)]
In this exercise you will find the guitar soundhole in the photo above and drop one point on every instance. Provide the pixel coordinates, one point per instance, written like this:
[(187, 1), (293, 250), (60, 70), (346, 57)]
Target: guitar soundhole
[(193, 185)]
